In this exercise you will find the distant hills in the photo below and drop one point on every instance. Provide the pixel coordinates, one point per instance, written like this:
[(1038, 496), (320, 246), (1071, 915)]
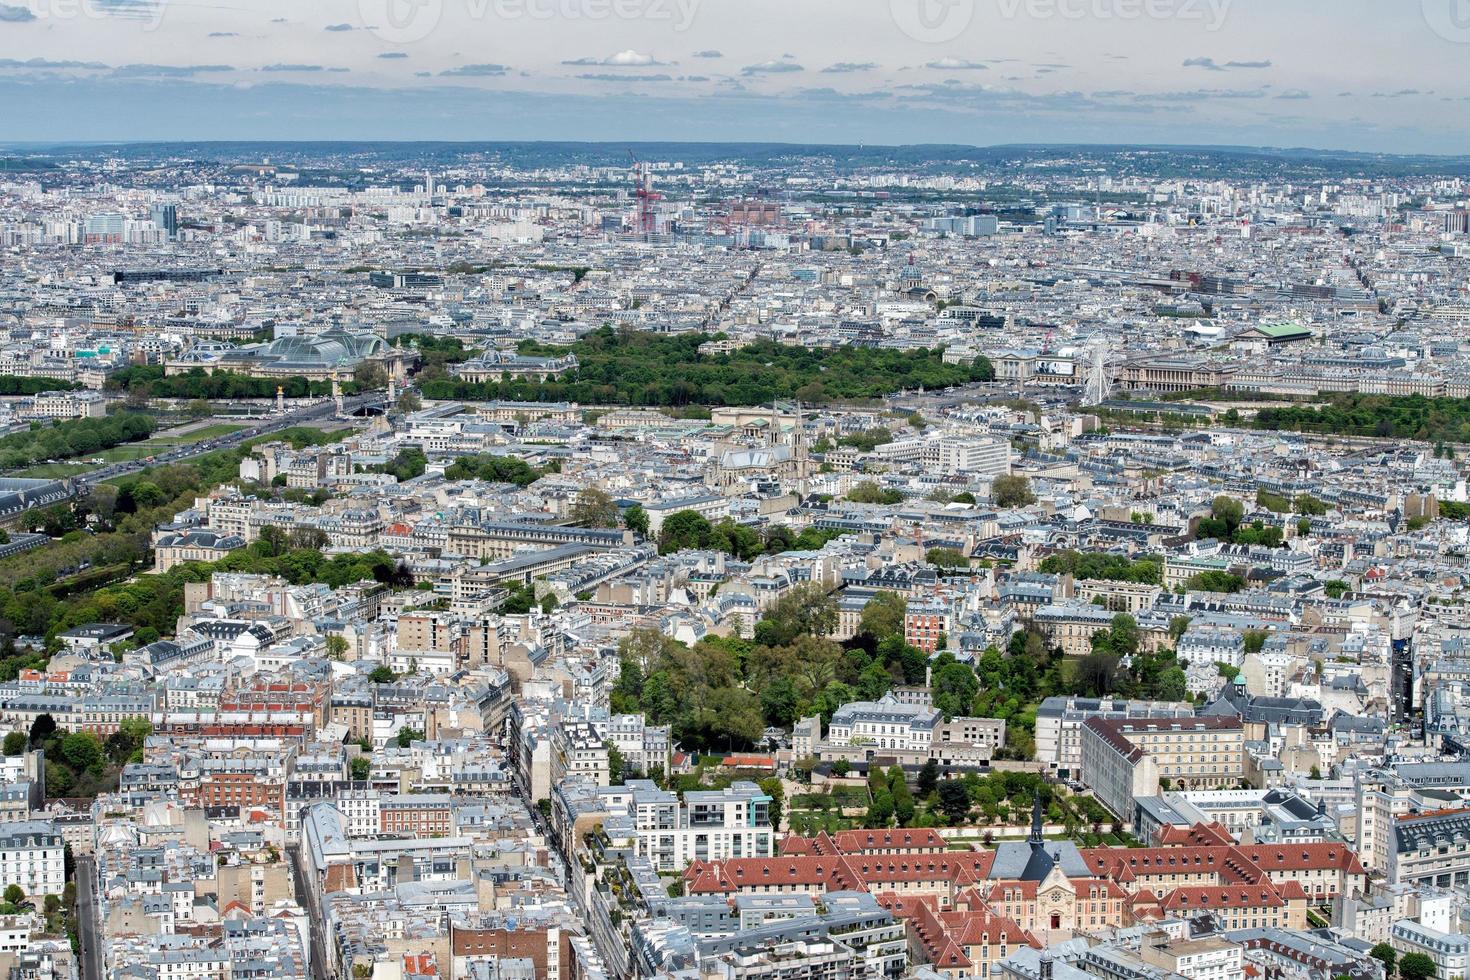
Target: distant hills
[(1237, 162)]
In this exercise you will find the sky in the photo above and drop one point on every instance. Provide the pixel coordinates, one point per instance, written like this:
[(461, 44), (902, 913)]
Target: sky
[(1371, 75)]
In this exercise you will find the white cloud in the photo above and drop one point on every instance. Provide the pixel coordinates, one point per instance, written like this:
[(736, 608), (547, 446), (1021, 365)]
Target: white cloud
[(623, 59), (772, 68), (956, 64)]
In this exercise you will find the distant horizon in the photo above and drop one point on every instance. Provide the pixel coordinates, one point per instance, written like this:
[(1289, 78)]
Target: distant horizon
[(1361, 75), (1249, 148)]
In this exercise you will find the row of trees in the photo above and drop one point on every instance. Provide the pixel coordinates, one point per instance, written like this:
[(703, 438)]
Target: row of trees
[(77, 437), (996, 798), (628, 367), (498, 469), (687, 529), (122, 517), (1111, 568), (143, 382), (11, 384), (1437, 420)]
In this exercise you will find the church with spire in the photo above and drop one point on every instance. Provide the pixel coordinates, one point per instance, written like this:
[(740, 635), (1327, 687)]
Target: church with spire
[(763, 450)]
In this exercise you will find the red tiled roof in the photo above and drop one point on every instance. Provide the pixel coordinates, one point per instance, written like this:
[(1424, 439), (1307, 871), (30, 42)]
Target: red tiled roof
[(1224, 897)]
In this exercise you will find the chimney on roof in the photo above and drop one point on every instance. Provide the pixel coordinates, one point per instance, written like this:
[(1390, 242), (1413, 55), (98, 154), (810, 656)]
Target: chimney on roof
[(1046, 965)]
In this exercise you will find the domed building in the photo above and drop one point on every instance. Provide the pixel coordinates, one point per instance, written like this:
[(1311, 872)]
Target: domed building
[(316, 357)]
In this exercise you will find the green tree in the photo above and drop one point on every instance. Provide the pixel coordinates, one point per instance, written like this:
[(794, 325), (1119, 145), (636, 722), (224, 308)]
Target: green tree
[(883, 615), (1416, 966), (382, 674), (1173, 685), (946, 558), (636, 518), (1309, 506), (776, 790), (1214, 581), (14, 894), (1386, 955), (1097, 671), (616, 765), (1225, 517), (869, 492), (929, 778), (954, 800), (732, 715), (781, 703), (308, 538), (806, 610), (880, 810), (683, 530), (146, 493), (42, 728), (370, 375), (337, 646), (903, 800), (15, 743), (127, 743), (1011, 490), (362, 768), (955, 686), (594, 508), (83, 752), (407, 736)]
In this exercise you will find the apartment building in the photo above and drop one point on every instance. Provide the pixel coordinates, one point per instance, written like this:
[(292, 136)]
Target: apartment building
[(1059, 723), (707, 825), (1127, 758), (32, 855), (578, 750), (979, 456), (1431, 848), (1450, 953), (884, 724)]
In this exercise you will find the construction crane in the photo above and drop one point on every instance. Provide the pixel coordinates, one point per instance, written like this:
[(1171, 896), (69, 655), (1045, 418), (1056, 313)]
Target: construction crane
[(647, 196)]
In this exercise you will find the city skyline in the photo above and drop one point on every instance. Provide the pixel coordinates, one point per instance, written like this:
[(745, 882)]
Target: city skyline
[(973, 72)]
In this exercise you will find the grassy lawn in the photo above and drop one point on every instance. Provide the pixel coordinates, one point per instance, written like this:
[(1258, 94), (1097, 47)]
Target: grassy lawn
[(810, 813), (213, 431), (125, 453), (152, 447)]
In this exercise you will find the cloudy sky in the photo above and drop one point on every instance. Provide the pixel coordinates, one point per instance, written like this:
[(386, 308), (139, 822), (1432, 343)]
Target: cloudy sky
[(1379, 75)]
